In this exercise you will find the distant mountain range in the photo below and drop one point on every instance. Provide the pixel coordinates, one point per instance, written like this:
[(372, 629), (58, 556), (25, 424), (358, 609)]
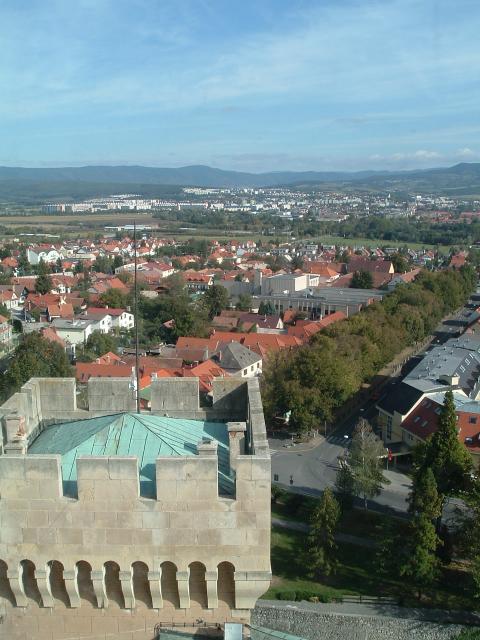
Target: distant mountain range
[(460, 179), (194, 175)]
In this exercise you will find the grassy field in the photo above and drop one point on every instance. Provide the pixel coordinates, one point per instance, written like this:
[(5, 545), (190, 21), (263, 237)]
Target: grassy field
[(359, 568), (70, 223), (358, 574)]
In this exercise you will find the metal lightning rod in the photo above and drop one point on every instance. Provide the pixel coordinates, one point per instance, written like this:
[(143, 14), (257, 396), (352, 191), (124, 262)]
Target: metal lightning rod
[(135, 311)]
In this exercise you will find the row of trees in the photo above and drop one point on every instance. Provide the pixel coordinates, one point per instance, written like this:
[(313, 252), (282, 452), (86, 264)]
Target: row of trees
[(400, 230), (312, 381), (442, 470), (419, 549), (360, 475)]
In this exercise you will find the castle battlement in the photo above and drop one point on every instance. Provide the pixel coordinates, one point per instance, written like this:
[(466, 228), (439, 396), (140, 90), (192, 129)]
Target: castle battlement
[(167, 510)]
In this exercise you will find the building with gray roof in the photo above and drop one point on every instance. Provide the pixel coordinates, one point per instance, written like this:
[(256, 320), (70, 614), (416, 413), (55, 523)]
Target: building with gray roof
[(237, 360)]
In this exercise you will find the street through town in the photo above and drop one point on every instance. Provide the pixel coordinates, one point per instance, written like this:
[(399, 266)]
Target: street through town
[(310, 468)]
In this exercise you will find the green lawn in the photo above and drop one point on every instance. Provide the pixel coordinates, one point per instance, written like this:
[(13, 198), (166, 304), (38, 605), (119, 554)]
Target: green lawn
[(358, 574), (356, 522)]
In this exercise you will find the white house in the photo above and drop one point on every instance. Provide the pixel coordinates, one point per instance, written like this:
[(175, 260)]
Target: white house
[(73, 331), (43, 252), (122, 319), (9, 299), (100, 319)]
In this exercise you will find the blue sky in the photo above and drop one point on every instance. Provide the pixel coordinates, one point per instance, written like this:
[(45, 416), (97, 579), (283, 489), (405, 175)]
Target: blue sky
[(251, 85)]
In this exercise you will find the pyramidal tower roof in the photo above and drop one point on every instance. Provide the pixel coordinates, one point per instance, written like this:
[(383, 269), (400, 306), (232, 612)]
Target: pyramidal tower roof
[(147, 437)]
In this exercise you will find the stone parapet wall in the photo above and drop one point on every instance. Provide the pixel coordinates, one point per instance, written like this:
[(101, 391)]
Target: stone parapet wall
[(311, 624), (186, 549)]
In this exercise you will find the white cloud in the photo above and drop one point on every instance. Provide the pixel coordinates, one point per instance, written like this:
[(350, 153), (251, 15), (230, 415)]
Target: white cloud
[(329, 55), (467, 154)]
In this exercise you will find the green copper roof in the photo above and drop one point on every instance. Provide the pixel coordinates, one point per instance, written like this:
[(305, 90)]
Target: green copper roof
[(147, 437)]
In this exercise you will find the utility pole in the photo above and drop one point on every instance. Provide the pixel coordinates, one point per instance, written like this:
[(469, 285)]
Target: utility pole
[(135, 315)]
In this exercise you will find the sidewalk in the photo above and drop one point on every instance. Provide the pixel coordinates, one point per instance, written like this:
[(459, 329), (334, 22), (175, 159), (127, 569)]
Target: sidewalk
[(277, 444)]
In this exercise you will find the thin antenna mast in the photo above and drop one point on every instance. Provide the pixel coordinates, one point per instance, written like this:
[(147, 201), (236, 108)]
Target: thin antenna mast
[(135, 313)]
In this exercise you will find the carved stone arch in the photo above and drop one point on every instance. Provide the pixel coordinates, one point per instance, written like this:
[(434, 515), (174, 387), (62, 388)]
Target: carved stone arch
[(197, 585), (113, 586), (226, 584), (169, 584), (141, 585), (57, 582), (85, 587), (29, 581), (6, 592)]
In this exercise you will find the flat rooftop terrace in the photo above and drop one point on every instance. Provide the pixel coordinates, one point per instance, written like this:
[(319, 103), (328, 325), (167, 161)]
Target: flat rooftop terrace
[(144, 436)]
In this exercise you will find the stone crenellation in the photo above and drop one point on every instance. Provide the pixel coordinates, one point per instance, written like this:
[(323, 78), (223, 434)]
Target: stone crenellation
[(189, 552)]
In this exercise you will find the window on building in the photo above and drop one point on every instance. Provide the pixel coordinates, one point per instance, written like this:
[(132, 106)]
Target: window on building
[(410, 437), (389, 432), (472, 420), (251, 368)]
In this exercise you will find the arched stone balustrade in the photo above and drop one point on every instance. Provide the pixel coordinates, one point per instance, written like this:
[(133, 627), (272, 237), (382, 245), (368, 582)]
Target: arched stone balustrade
[(124, 586)]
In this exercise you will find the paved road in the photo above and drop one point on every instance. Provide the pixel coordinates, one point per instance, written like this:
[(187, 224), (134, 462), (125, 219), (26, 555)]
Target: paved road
[(312, 469), (316, 469)]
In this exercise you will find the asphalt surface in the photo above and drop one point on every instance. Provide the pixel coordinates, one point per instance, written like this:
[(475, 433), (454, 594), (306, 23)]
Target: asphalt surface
[(309, 470)]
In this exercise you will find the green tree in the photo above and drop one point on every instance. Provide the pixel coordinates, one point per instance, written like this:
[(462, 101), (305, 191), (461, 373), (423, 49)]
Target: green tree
[(344, 486), (400, 263), (117, 262), (362, 280), (215, 299), (5, 312), (175, 284), (245, 302), (103, 264), (34, 356), (424, 498), (321, 549), (43, 283), (24, 267), (297, 263), (114, 299), (310, 383), (266, 309), (100, 343), (42, 268), (189, 319), (419, 561), (365, 462), (445, 455), (5, 278)]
